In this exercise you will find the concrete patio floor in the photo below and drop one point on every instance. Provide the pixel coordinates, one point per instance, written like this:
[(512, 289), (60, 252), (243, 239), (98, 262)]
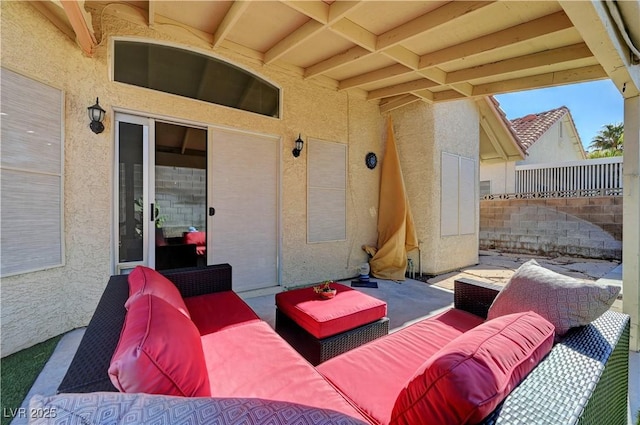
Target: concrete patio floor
[(407, 302)]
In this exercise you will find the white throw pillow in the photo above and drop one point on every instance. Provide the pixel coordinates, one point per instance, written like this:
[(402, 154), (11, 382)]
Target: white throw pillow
[(563, 300)]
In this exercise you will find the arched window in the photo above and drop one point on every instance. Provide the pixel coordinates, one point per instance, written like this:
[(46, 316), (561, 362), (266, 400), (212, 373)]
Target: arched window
[(193, 75)]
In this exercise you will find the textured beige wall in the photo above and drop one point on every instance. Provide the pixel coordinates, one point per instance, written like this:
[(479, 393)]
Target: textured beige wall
[(423, 132), (501, 174), (550, 147), (36, 306)]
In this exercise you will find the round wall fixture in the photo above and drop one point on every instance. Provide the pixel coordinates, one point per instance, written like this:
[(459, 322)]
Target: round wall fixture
[(371, 160)]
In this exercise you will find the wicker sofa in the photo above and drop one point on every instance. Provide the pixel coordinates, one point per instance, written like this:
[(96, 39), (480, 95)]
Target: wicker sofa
[(584, 379)]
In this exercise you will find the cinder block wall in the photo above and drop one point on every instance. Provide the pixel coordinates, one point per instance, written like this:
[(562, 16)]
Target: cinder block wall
[(584, 227), (181, 199)]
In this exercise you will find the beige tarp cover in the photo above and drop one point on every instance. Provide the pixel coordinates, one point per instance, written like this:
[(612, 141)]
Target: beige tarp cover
[(396, 231)]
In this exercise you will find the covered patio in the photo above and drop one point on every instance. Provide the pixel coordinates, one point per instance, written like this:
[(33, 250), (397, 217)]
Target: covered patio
[(407, 303), (343, 66)]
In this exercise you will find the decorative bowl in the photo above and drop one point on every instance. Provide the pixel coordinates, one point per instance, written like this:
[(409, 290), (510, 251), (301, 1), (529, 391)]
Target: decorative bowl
[(327, 295)]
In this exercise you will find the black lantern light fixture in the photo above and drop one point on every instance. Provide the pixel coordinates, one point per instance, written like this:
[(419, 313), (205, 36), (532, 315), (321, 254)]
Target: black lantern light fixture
[(96, 115), (299, 144)]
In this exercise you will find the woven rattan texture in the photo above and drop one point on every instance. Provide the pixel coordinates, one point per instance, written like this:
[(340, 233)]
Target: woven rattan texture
[(316, 350), (582, 381), (199, 281), (474, 296), (88, 371)]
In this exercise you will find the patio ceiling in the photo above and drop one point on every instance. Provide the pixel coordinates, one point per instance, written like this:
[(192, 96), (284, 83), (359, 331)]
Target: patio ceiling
[(392, 52)]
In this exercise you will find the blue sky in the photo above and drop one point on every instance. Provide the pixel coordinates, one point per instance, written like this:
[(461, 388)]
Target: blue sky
[(592, 105)]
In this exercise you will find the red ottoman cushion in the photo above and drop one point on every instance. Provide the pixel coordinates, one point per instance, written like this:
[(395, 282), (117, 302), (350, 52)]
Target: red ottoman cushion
[(324, 318), (467, 379), (144, 280), (159, 352)]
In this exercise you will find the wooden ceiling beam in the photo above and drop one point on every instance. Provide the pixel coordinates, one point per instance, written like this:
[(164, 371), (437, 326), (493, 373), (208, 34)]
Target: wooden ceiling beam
[(493, 139), (81, 24), (550, 79), (398, 102), (229, 20), (517, 34), (403, 55), (534, 60), (43, 7), (340, 9), (426, 64), (407, 87), (293, 40), (355, 33), (151, 13), (464, 88), (336, 61), (316, 10), (593, 22), (389, 44), (428, 22), (373, 76), (332, 16), (426, 95), (447, 95)]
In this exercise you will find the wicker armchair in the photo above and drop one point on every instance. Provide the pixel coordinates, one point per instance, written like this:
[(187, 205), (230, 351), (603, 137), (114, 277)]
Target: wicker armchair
[(584, 380)]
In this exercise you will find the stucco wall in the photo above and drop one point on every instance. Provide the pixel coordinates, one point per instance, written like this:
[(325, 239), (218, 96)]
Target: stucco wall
[(37, 306), (423, 132), (501, 174), (553, 148), (40, 305)]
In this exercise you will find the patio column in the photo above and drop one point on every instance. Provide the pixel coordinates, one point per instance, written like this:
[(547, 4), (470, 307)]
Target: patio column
[(631, 217)]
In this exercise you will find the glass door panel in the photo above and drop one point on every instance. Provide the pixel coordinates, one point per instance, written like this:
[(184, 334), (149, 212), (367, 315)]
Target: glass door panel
[(131, 232), (180, 196)]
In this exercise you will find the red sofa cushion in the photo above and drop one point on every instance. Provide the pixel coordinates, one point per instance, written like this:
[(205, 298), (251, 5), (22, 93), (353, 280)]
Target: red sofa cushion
[(252, 361), (373, 375), (144, 280), (199, 239), (219, 310), (323, 318), (470, 376), (159, 352)]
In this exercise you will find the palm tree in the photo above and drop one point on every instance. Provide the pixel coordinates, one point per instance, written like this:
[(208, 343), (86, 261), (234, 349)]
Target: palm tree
[(609, 139)]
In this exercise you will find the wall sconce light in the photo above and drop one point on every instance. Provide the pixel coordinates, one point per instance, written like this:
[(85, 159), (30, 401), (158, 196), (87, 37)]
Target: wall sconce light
[(299, 144), (96, 115)]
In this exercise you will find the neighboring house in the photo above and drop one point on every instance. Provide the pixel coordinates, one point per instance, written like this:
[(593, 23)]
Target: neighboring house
[(204, 102), (544, 137)]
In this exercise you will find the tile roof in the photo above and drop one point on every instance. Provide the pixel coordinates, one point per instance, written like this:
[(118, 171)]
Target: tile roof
[(531, 127), (508, 124)]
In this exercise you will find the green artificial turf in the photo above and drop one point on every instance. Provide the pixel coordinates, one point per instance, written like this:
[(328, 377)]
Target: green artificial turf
[(19, 371)]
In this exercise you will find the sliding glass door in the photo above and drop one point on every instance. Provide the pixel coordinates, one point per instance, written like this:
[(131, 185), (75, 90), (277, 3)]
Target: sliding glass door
[(160, 202)]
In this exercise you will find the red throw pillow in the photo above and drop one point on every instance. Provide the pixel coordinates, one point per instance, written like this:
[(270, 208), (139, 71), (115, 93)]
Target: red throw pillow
[(466, 380), (196, 238), (143, 281), (159, 352)]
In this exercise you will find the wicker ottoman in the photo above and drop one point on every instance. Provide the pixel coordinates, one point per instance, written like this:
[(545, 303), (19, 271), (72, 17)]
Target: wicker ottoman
[(321, 329)]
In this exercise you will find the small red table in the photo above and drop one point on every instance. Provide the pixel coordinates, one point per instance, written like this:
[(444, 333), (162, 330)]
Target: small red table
[(320, 329)]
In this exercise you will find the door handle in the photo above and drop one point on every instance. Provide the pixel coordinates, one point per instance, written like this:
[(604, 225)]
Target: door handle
[(212, 211), (152, 212)]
